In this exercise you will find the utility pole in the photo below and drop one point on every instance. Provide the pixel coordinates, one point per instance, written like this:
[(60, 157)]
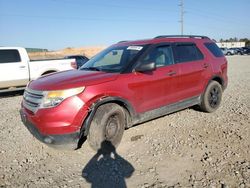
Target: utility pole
[(181, 15)]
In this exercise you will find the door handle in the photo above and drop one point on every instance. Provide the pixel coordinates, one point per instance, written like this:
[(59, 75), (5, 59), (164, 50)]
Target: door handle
[(171, 73), (205, 65), (22, 67)]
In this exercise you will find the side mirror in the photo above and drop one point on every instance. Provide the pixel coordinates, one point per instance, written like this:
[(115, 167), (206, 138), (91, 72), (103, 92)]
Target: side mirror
[(146, 67)]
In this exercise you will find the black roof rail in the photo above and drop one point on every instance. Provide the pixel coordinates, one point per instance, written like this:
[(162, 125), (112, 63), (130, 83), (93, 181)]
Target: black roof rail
[(123, 41), (181, 36)]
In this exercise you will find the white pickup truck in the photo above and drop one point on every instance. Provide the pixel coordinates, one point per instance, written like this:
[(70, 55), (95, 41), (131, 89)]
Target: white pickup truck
[(16, 69)]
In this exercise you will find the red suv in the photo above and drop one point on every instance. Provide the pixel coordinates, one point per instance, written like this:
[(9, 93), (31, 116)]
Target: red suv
[(126, 84)]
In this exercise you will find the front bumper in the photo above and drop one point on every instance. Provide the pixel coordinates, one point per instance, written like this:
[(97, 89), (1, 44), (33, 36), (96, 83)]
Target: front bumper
[(61, 141)]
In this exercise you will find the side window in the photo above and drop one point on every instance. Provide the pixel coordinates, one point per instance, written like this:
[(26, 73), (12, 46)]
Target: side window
[(162, 56), (214, 49), (187, 52), (9, 56)]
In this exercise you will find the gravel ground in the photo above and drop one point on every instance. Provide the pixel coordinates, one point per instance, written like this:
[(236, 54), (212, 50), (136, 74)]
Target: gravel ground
[(185, 149)]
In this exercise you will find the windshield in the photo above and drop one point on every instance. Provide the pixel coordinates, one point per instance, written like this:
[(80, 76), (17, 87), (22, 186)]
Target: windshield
[(112, 59)]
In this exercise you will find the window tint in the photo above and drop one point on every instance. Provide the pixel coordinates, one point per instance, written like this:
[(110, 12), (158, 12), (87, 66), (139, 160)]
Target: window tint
[(187, 52), (9, 56), (162, 56), (214, 49), (78, 59)]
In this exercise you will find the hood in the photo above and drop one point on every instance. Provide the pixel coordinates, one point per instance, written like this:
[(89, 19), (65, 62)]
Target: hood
[(71, 79)]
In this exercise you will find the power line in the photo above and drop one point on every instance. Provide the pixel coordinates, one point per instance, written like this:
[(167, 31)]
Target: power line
[(216, 17)]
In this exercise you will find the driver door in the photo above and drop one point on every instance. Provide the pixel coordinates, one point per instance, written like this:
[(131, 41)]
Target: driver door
[(154, 89)]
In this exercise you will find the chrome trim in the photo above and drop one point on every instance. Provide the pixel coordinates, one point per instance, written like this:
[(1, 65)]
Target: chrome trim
[(37, 92), (32, 99), (32, 109)]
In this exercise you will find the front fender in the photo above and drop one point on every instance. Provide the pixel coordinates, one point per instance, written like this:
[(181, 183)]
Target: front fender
[(103, 100)]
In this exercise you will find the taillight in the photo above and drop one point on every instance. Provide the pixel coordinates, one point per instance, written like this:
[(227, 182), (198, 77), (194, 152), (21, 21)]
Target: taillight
[(73, 65)]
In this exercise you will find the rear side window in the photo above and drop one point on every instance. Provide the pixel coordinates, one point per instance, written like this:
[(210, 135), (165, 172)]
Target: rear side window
[(9, 56), (187, 52), (214, 49)]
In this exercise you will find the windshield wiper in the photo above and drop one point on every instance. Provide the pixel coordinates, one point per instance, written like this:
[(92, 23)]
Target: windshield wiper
[(91, 68)]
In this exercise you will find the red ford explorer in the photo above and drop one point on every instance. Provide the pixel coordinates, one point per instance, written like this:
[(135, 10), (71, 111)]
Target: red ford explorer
[(128, 83)]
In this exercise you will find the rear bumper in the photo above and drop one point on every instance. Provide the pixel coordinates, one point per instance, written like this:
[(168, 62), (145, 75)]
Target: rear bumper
[(62, 141)]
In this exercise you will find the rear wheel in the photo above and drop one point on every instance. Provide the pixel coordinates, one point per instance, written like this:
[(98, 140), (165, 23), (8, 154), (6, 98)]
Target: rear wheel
[(108, 124), (211, 99)]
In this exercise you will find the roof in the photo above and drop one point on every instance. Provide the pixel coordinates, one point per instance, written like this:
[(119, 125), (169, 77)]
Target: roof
[(166, 38)]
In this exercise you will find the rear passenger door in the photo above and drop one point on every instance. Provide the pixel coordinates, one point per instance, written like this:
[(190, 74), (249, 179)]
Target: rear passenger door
[(192, 70)]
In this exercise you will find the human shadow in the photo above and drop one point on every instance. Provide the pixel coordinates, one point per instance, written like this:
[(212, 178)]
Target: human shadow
[(107, 169)]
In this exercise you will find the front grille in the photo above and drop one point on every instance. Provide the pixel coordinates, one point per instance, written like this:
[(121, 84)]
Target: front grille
[(32, 99)]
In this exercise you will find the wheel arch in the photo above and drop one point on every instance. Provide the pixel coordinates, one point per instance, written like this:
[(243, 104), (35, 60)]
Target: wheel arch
[(218, 79), (48, 72), (130, 113)]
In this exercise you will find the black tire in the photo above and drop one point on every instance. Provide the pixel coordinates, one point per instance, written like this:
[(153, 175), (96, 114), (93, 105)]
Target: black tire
[(212, 97), (108, 124)]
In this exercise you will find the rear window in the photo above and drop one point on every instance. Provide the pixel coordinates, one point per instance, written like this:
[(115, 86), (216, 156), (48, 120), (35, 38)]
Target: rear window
[(9, 56), (214, 49), (187, 52)]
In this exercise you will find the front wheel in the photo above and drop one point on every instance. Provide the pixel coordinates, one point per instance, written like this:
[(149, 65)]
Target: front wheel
[(211, 99), (108, 124)]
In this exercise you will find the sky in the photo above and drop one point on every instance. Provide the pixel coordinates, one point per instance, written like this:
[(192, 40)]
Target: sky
[(57, 24)]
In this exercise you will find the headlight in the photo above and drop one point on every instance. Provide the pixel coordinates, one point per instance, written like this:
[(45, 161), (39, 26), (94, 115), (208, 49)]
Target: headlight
[(54, 98)]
